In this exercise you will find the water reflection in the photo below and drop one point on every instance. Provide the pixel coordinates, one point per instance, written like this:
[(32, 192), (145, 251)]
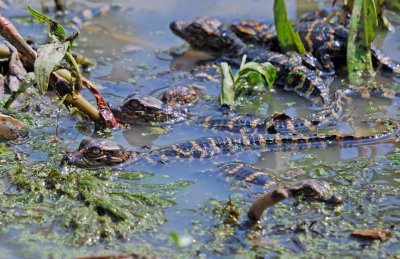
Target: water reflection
[(146, 25)]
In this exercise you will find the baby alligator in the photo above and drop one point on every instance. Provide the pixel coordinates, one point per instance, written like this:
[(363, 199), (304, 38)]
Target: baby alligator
[(308, 189), (213, 36), (140, 108), (277, 123), (324, 40), (98, 152), (296, 73), (311, 189)]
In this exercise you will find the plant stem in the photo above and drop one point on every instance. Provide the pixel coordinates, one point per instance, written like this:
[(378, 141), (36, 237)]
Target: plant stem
[(83, 105), (75, 68), (59, 80)]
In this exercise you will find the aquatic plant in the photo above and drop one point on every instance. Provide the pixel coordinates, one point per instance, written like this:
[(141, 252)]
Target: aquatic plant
[(90, 205), (361, 34), (288, 38), (252, 77)]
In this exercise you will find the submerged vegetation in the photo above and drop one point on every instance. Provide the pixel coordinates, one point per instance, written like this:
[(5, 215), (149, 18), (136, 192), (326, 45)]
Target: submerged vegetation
[(92, 205), (44, 205)]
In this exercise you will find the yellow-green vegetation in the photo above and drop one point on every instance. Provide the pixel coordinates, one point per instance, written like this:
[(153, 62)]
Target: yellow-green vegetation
[(45, 205), (51, 55), (288, 38), (362, 32), (251, 78), (392, 5), (312, 229), (91, 205)]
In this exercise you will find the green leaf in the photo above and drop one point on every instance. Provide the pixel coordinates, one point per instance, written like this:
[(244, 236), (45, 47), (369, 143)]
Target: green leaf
[(288, 38), (361, 34), (243, 61), (270, 74), (180, 240), (227, 95), (266, 70), (251, 78), (49, 56), (55, 28)]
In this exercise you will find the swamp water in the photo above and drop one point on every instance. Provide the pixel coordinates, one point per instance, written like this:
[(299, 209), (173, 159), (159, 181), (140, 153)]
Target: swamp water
[(52, 211)]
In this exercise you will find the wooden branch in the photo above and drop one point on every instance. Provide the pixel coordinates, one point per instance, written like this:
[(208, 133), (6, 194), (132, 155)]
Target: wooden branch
[(60, 81)]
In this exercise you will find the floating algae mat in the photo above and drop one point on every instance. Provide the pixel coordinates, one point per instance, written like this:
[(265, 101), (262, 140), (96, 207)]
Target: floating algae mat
[(186, 209)]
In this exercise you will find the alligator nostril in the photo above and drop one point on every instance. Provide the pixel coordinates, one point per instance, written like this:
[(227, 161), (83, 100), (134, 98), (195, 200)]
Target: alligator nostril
[(177, 27), (174, 26)]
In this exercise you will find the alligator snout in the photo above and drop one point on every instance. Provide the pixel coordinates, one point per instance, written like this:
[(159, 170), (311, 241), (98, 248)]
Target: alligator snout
[(67, 160), (177, 27)]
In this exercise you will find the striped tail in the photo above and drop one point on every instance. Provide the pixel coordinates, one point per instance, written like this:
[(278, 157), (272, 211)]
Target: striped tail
[(211, 146)]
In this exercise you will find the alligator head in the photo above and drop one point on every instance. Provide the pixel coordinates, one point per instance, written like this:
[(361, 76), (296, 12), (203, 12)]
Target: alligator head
[(139, 108), (99, 153), (313, 189), (209, 35)]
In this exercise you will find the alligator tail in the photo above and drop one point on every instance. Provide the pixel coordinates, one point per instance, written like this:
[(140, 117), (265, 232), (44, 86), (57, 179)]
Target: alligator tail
[(212, 146)]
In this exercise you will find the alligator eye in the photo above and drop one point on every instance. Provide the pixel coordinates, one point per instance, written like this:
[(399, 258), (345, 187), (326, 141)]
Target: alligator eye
[(224, 36), (135, 105), (308, 191), (94, 152)]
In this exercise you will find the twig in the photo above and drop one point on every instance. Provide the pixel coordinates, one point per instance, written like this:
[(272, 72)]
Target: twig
[(266, 201), (59, 80)]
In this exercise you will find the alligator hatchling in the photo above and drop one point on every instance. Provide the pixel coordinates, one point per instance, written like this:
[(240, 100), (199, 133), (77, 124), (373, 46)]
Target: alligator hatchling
[(171, 107), (305, 75), (298, 73), (326, 41), (100, 152)]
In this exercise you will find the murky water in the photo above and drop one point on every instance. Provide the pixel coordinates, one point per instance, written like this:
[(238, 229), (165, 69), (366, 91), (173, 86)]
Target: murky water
[(125, 45)]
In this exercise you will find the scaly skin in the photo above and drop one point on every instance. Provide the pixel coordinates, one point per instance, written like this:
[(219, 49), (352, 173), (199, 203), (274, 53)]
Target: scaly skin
[(324, 40), (294, 73), (186, 95), (310, 189), (141, 108), (277, 123), (92, 153)]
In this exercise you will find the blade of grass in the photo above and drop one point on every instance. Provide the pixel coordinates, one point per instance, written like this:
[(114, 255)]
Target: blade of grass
[(227, 95), (288, 38), (362, 33)]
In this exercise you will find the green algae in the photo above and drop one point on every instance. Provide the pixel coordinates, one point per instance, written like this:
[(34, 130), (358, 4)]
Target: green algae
[(90, 205), (312, 229), (3, 149), (43, 206)]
